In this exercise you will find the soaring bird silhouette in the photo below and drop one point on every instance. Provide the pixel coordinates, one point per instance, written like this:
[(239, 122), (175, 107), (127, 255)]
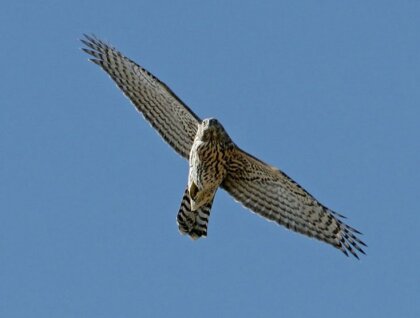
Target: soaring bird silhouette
[(215, 161)]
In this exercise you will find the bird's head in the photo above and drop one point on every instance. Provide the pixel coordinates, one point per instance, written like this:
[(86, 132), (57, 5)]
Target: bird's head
[(211, 130)]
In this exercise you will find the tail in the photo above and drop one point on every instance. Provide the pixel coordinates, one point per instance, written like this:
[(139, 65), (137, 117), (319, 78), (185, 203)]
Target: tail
[(193, 223)]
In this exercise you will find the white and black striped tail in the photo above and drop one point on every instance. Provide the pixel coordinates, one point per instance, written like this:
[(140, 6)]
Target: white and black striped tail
[(193, 223)]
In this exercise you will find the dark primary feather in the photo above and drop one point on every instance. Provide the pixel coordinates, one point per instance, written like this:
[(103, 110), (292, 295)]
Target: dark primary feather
[(173, 120)]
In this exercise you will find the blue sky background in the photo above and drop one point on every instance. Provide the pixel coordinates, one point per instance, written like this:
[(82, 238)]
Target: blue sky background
[(326, 90)]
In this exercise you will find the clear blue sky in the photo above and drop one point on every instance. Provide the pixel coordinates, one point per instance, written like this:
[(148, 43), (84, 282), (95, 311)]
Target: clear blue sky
[(328, 91)]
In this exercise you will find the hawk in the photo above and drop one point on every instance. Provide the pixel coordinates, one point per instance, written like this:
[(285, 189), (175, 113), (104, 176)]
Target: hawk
[(216, 161)]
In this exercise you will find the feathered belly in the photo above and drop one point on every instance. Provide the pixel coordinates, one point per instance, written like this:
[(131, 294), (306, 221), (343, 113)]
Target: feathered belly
[(207, 170), (207, 165)]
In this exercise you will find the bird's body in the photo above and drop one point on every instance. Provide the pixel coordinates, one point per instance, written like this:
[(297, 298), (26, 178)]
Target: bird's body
[(215, 161), (207, 162)]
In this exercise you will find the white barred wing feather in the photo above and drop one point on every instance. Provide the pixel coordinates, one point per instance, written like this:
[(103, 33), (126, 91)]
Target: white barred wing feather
[(272, 194), (173, 120)]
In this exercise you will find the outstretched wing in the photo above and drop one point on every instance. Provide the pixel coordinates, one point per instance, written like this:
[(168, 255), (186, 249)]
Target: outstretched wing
[(173, 120), (272, 194)]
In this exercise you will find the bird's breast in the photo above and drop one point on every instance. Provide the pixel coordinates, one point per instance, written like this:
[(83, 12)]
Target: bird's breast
[(207, 164)]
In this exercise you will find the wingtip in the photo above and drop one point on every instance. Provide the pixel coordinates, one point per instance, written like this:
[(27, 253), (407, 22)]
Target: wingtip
[(96, 54), (90, 37), (97, 62)]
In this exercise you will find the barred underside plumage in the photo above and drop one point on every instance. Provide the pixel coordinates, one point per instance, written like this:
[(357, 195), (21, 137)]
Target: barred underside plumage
[(215, 160), (173, 120), (275, 196), (193, 223)]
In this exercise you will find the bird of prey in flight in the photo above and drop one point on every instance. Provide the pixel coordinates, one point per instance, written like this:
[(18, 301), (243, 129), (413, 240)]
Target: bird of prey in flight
[(216, 161)]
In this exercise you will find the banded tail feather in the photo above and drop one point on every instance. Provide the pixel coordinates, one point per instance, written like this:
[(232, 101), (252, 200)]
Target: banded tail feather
[(193, 223)]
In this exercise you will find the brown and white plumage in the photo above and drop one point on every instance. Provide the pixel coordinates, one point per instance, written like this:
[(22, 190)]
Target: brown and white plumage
[(275, 196), (173, 120), (193, 223), (215, 161)]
